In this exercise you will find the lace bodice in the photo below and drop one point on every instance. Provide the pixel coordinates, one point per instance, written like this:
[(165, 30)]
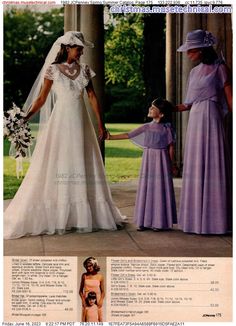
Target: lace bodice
[(69, 79)]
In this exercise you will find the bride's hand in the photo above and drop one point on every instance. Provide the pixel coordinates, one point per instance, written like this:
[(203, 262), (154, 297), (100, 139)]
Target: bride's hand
[(26, 117), (102, 133), (108, 135)]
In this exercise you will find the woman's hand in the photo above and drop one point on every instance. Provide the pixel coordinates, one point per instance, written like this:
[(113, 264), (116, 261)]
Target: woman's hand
[(100, 303), (175, 170), (83, 303), (108, 135), (26, 118), (102, 133), (182, 107)]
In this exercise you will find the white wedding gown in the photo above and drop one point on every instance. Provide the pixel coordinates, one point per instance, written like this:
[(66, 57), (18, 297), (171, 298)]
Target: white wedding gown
[(65, 187)]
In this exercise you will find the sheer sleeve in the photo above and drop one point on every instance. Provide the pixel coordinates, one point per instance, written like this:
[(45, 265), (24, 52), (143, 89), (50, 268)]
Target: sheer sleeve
[(137, 136), (224, 75), (188, 100), (49, 74), (86, 74), (171, 134), (153, 135), (137, 131), (89, 72)]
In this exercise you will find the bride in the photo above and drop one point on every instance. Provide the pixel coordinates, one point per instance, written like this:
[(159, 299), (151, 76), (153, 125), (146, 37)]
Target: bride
[(65, 187)]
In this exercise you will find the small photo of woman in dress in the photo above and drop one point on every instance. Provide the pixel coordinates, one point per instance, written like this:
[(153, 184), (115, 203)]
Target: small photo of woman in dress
[(92, 281)]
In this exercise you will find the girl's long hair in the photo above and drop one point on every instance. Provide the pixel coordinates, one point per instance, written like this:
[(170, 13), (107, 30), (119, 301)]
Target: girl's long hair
[(165, 107)]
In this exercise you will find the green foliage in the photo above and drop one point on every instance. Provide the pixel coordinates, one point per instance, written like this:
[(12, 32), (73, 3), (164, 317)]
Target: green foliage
[(126, 104), (11, 183), (124, 51), (122, 157), (28, 36), (124, 68)]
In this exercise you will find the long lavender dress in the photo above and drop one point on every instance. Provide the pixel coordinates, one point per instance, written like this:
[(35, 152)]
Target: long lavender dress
[(155, 201), (205, 198)]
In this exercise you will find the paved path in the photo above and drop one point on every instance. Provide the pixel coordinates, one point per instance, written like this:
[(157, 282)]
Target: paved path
[(126, 242)]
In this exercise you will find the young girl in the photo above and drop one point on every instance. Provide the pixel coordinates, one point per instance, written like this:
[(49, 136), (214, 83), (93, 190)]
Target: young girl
[(92, 281), (91, 313), (155, 201)]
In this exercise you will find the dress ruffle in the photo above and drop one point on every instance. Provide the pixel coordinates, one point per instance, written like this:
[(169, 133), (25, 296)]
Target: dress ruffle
[(54, 218)]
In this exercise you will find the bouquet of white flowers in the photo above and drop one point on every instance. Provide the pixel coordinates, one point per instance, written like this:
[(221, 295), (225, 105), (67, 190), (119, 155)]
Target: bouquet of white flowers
[(17, 130)]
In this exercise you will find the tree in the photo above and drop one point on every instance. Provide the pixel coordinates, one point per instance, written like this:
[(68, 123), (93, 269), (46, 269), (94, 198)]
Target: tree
[(124, 51), (124, 68), (154, 55), (28, 36)]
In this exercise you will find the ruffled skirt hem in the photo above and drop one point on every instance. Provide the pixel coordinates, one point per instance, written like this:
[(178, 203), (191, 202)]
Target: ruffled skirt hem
[(49, 218)]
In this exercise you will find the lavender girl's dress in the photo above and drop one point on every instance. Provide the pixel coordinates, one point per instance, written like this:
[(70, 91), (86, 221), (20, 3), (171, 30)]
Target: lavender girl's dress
[(155, 201), (205, 197)]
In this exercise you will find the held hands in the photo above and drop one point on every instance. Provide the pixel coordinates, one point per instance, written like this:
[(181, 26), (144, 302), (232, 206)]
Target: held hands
[(104, 134), (108, 135), (102, 131)]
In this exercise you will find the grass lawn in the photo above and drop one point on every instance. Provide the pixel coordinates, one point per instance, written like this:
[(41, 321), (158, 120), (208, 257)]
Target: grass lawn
[(122, 160), (122, 157)]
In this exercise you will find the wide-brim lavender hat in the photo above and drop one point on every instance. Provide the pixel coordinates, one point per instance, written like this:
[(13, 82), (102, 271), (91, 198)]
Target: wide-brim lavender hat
[(74, 38), (197, 39)]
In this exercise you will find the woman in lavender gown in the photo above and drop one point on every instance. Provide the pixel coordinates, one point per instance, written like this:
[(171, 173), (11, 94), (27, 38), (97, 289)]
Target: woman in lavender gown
[(205, 203), (155, 201)]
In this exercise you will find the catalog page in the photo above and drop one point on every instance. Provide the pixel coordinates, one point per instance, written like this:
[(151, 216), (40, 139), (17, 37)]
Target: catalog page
[(138, 289)]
